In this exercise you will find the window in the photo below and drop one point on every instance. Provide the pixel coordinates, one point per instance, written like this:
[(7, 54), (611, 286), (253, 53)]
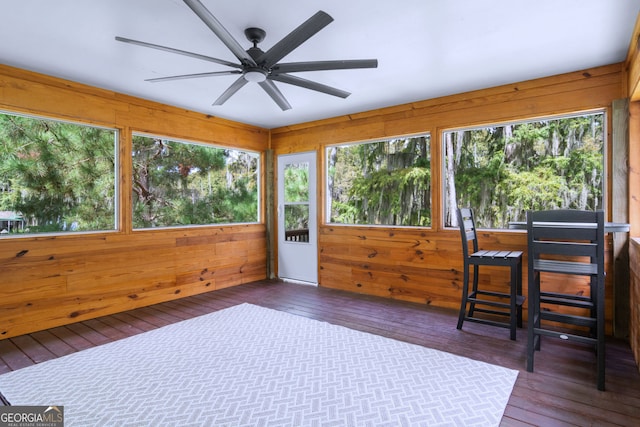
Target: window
[(503, 171), (56, 176), (180, 183), (383, 182)]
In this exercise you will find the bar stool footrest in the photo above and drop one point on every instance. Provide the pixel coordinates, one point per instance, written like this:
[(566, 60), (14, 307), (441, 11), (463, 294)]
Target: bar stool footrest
[(565, 336), (488, 322), (488, 311), (566, 300), (572, 319)]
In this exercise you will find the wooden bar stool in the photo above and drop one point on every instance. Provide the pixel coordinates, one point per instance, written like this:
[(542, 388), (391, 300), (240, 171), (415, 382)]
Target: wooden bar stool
[(565, 243), (490, 302)]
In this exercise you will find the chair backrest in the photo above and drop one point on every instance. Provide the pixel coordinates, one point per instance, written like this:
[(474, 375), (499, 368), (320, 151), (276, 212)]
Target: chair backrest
[(467, 224), (567, 232)]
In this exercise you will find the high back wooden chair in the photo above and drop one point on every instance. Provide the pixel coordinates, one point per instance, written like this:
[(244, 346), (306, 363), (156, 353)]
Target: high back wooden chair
[(566, 242), (489, 307)]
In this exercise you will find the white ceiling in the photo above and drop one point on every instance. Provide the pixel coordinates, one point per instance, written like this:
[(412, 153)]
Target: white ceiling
[(425, 48)]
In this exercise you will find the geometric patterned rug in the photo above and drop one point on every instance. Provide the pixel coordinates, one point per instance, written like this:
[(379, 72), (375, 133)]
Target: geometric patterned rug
[(253, 366)]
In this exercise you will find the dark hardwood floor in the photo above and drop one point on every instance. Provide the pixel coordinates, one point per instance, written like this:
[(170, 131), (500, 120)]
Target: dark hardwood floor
[(561, 392)]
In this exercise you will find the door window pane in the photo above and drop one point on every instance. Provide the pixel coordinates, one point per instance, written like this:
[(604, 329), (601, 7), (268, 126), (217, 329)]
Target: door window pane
[(296, 202), (296, 219), (296, 182)]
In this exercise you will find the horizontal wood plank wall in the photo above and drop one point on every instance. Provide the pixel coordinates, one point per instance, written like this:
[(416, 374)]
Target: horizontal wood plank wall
[(49, 281), (633, 92), (424, 264)]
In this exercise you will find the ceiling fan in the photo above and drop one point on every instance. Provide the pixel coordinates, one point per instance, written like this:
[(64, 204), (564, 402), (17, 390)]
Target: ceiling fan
[(259, 66)]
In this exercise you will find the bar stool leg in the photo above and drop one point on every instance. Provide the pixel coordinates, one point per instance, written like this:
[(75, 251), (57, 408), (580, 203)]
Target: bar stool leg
[(513, 301), (533, 322), (600, 343), (465, 291), (519, 292), (474, 290)]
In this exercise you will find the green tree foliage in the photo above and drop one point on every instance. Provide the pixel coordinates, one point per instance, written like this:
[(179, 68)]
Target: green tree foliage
[(504, 171), (58, 176), (296, 190), (61, 177), (384, 182), (177, 183)]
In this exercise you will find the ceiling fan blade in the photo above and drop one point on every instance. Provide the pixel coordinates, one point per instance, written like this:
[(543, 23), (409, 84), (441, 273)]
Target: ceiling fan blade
[(275, 94), (295, 67), (178, 51), (308, 84), (222, 33), (192, 76), (294, 39), (235, 86)]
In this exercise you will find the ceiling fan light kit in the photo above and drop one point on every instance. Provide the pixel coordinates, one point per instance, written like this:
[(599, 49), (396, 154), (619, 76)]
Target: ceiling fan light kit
[(261, 67), (255, 75)]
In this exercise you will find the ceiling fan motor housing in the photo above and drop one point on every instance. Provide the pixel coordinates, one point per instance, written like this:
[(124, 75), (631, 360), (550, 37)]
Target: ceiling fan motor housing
[(255, 74)]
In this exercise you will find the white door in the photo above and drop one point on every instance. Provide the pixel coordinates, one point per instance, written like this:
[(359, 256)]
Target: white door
[(297, 218)]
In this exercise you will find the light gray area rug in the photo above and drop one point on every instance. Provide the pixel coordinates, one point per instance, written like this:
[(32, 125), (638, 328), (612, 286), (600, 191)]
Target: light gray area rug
[(253, 366)]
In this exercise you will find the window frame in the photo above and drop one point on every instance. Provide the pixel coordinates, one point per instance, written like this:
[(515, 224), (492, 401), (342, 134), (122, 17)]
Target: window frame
[(606, 141), (259, 189), (117, 171), (327, 196)]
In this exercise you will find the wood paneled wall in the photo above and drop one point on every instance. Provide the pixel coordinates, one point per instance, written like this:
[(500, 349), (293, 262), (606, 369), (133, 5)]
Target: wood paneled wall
[(47, 281), (632, 80), (424, 264)]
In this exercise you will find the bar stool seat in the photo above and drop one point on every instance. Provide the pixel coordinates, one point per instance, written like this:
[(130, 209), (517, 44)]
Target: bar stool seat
[(486, 302)]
